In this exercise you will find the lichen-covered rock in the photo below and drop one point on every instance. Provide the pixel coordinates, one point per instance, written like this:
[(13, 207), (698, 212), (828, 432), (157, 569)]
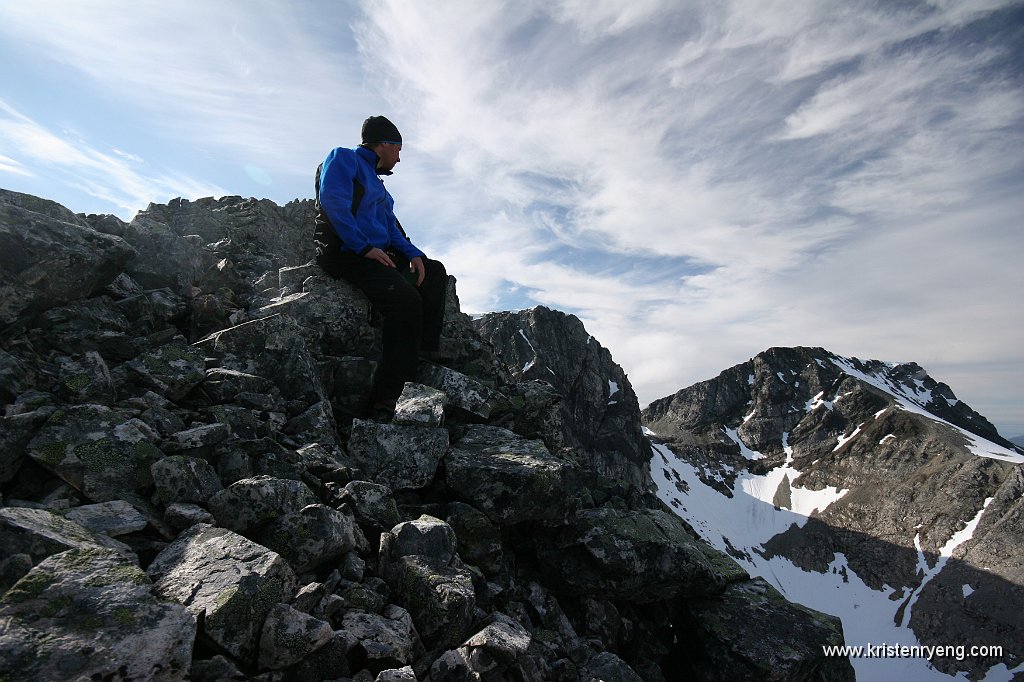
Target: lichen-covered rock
[(90, 614), (374, 507), (479, 539), (49, 256), (420, 405), (86, 379), (105, 453), (389, 638), (200, 436), (171, 370), (418, 560), (311, 537), (250, 503), (427, 536), (289, 636), (315, 425), (751, 632), (400, 457), (642, 556), (273, 347), (512, 479), (492, 653), (113, 518), (462, 391), (40, 533), (180, 478), (599, 411), (227, 581), (333, 314)]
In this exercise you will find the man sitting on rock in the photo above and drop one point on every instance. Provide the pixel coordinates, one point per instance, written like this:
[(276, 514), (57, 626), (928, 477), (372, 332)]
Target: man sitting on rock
[(359, 239)]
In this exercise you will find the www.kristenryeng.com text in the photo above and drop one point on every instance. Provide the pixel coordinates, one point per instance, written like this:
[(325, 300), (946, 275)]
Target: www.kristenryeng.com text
[(927, 651)]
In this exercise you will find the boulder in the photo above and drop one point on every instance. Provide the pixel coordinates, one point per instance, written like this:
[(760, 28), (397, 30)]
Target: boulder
[(253, 502), (49, 256), (113, 518), (90, 613), (420, 405), (228, 582), (184, 479), (463, 392), (751, 632), (511, 479), (105, 453), (399, 456), (642, 556), (40, 533), (313, 536), (289, 636)]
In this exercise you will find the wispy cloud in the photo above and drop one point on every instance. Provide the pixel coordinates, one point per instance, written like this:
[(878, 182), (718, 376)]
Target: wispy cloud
[(802, 169), (111, 176)]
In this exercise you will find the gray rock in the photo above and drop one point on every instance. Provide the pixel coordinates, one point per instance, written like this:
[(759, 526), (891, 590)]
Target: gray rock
[(197, 437), (599, 412), (16, 431), (751, 632), (492, 653), (511, 479), (289, 636), (105, 453), (405, 674), (479, 540), (182, 515), (274, 348), (315, 425), (90, 614), (250, 503), (420, 405), (401, 457), (113, 518), (49, 257), (643, 556), (389, 639), (225, 580), (427, 536), (40, 533), (183, 479), (374, 507), (607, 667), (462, 391), (333, 315), (171, 370), (312, 536)]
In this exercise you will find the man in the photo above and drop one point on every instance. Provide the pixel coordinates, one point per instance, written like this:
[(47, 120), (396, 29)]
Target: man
[(359, 239)]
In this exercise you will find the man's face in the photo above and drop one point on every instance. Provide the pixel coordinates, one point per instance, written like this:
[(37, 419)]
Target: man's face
[(388, 155)]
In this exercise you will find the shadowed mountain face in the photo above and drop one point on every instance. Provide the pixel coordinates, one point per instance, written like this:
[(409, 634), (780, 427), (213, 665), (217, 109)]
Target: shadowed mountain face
[(864, 468), (189, 490)]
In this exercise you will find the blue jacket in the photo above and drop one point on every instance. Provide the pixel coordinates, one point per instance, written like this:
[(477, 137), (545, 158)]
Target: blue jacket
[(374, 224)]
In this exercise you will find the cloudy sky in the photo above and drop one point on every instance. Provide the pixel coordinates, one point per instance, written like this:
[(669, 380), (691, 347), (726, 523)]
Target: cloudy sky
[(697, 180)]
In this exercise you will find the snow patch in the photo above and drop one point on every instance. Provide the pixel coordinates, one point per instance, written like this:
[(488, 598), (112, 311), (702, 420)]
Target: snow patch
[(982, 447), (747, 453), (613, 389), (843, 440), (968, 591)]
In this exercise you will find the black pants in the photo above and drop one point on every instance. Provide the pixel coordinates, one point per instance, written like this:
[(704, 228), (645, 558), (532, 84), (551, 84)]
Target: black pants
[(413, 316)]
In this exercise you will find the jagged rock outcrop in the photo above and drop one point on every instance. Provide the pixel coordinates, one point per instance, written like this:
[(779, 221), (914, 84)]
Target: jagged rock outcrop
[(915, 490), (596, 414), (190, 489)]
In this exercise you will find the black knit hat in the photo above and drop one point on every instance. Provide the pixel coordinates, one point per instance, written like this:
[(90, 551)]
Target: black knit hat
[(379, 129)]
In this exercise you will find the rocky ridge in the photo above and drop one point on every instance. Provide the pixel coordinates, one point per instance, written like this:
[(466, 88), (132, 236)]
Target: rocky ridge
[(190, 490), (915, 490)]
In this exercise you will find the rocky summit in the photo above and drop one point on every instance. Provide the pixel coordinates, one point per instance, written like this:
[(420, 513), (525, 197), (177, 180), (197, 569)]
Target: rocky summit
[(863, 487), (191, 488)]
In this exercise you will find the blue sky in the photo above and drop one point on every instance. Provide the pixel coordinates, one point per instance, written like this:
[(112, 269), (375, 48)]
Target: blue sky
[(698, 181)]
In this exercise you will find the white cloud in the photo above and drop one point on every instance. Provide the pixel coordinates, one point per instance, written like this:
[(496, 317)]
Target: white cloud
[(113, 177), (807, 169)]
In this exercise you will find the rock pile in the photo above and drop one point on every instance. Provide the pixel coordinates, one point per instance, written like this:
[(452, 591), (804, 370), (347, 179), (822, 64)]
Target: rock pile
[(190, 490)]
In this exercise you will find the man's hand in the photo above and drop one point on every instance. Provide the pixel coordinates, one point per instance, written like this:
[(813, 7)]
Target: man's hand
[(381, 257), (416, 265)]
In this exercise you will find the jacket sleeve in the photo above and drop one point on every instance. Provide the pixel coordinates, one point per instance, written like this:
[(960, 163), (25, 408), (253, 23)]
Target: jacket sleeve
[(400, 241), (336, 180)]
